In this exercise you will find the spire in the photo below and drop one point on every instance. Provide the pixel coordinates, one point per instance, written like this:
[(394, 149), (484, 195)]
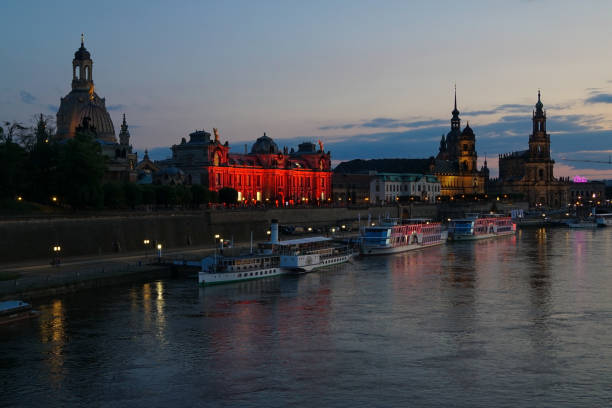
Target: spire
[(124, 134), (539, 105), (455, 121), (82, 40)]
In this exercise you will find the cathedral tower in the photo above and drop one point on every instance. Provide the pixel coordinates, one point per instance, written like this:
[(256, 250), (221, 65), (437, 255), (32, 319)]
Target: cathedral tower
[(467, 150), (82, 65), (539, 164)]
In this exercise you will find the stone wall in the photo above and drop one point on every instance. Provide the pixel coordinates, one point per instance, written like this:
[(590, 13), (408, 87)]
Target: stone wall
[(28, 239)]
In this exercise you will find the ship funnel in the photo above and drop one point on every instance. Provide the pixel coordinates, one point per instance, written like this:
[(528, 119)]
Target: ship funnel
[(274, 232)]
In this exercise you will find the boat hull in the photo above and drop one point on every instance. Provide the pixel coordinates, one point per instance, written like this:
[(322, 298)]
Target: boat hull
[(452, 237), (212, 278), (322, 264), (373, 251)]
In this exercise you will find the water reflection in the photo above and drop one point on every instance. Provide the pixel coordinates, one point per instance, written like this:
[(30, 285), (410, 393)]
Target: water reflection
[(52, 333), (469, 324)]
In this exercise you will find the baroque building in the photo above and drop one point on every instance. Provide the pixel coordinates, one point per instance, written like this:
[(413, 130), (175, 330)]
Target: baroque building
[(456, 163), (84, 110), (530, 172), (265, 174), (455, 166)]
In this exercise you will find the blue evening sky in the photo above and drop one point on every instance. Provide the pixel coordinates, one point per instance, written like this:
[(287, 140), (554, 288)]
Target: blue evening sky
[(368, 78)]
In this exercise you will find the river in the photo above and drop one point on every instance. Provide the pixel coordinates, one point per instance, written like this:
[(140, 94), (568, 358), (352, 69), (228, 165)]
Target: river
[(514, 321)]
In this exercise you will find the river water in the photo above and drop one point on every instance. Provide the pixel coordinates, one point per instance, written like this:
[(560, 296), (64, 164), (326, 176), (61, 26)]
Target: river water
[(513, 321)]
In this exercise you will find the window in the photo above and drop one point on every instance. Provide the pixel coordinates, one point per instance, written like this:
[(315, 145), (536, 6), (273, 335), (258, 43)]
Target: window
[(218, 179)]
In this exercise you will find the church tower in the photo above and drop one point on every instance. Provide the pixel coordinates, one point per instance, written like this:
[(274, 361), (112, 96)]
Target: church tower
[(539, 164), (82, 65), (452, 138), (467, 150), (124, 134)]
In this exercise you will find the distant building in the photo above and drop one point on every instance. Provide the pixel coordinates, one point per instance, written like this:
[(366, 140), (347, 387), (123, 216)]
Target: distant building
[(456, 163), (455, 166), (391, 187), (582, 190), (82, 109), (351, 188), (376, 188), (530, 172), (266, 173)]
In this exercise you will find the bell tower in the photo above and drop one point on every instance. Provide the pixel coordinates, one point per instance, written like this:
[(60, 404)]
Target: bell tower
[(82, 75), (539, 140), (124, 134), (539, 166)]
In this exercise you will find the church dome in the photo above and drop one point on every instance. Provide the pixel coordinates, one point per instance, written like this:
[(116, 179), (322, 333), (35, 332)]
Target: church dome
[(467, 132), (100, 119), (82, 53), (264, 145)]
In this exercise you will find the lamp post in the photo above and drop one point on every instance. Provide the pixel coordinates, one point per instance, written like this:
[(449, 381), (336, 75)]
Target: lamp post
[(56, 255), (146, 243), (159, 252)]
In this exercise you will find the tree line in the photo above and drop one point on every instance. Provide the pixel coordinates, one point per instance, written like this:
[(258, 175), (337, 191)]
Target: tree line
[(37, 167)]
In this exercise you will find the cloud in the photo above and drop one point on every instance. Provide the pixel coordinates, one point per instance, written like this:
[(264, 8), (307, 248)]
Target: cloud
[(599, 98), (508, 107), (53, 108), (386, 123), (115, 107), (27, 97)]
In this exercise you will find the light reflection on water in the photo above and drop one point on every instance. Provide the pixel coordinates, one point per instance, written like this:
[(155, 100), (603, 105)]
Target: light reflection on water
[(513, 321)]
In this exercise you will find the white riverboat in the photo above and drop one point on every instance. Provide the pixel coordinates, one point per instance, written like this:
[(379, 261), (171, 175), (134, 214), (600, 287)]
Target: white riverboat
[(273, 258), (603, 220), (225, 269), (393, 236), (476, 226), (305, 254)]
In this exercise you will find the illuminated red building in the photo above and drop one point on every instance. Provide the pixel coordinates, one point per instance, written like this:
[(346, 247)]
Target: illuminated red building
[(266, 174)]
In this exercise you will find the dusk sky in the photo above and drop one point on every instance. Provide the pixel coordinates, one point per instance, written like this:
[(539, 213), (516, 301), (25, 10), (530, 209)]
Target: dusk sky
[(370, 79)]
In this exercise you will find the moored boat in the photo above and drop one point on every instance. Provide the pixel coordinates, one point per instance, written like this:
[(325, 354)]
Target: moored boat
[(393, 236), (15, 310), (603, 220), (273, 258), (476, 226), (306, 254)]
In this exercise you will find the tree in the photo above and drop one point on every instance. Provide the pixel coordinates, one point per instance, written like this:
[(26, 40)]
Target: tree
[(113, 195), (183, 195), (165, 195), (132, 194), (198, 195), (41, 166), (148, 194), (81, 167), (12, 163), (228, 195)]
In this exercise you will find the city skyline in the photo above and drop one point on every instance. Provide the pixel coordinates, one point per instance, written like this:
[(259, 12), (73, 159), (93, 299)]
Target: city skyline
[(307, 72)]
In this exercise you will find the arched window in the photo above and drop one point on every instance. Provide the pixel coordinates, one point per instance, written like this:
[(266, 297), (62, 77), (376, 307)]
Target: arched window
[(76, 72), (87, 73), (216, 159), (541, 174)]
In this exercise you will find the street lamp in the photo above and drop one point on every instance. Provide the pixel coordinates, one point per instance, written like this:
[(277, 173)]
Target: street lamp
[(56, 255), (159, 251), (146, 242)]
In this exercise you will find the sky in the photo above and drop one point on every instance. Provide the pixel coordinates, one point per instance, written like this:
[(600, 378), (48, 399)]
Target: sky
[(370, 79)]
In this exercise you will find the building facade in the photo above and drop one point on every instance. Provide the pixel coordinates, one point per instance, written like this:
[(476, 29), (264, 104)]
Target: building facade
[(530, 172), (456, 163), (377, 188), (392, 187), (265, 174), (82, 109)]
